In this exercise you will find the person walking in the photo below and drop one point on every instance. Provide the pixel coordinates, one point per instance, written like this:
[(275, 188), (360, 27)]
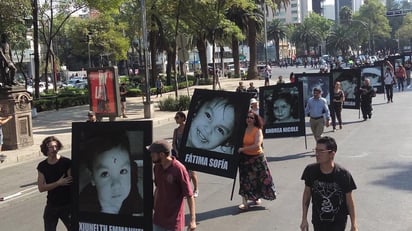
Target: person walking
[(159, 86), (366, 93), (123, 93), (54, 177), (329, 186), (180, 119), (408, 67), (254, 175), (400, 74), (317, 109), (337, 104), (389, 81), (172, 188)]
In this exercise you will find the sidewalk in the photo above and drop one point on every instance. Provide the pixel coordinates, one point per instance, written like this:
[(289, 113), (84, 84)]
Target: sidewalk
[(59, 122)]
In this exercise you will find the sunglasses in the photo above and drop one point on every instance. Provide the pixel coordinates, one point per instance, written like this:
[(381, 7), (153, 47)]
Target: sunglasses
[(177, 117)]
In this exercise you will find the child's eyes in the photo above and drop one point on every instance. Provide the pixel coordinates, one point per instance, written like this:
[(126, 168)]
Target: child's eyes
[(221, 131), (104, 174), (124, 171), (208, 115)]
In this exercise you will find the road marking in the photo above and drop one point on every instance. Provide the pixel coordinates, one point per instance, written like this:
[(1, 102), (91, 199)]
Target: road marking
[(363, 154), (18, 194)]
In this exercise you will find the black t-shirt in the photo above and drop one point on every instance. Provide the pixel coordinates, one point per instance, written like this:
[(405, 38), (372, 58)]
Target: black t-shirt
[(328, 193), (52, 172)]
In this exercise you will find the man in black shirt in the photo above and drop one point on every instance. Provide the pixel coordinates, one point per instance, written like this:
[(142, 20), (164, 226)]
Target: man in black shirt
[(330, 187), (54, 177)]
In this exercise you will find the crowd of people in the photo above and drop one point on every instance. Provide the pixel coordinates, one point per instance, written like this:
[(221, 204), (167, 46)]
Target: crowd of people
[(323, 179)]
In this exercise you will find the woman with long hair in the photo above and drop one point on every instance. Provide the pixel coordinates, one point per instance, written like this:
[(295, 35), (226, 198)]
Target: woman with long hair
[(255, 178)]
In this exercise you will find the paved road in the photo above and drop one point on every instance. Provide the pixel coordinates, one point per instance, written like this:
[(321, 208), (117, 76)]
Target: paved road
[(377, 152)]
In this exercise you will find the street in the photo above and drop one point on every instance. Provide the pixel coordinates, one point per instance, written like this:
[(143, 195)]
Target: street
[(377, 152)]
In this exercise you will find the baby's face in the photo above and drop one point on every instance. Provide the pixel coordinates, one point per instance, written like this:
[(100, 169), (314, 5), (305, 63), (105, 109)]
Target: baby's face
[(212, 125), (281, 109), (111, 175)]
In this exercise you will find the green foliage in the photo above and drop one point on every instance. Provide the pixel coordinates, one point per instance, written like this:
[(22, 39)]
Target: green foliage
[(67, 97), (171, 104)]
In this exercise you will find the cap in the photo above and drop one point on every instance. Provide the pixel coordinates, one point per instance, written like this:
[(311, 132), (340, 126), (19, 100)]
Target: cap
[(160, 146), (253, 100), (91, 113)]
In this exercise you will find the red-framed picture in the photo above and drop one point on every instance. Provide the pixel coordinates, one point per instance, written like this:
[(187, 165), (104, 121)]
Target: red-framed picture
[(104, 91)]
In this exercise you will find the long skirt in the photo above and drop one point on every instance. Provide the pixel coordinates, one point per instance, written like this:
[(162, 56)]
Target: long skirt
[(255, 179)]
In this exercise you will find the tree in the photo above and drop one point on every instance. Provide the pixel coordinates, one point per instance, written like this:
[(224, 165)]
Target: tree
[(373, 14), (341, 37), (277, 30), (404, 31)]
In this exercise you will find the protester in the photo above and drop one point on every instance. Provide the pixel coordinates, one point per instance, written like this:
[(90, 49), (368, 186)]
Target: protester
[(112, 172), (172, 184), (254, 107), (408, 67), (337, 104), (123, 93), (91, 117), (253, 90), (389, 80), (317, 109), (54, 177), (240, 88), (292, 77), (180, 119), (366, 93), (400, 74), (280, 80), (329, 186), (254, 175)]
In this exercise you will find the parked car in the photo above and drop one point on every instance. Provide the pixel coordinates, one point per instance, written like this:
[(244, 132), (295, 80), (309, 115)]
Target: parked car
[(42, 87)]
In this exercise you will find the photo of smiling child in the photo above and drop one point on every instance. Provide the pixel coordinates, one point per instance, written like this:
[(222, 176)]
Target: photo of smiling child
[(212, 123), (112, 176)]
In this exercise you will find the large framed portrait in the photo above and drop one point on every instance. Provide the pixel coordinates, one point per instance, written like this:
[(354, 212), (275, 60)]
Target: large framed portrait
[(375, 74), (104, 91), (282, 109), (309, 81), (112, 171), (350, 80), (214, 131)]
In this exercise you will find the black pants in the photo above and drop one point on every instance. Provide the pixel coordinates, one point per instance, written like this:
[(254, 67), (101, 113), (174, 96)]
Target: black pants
[(53, 213), (336, 113), (330, 226), (389, 92), (400, 83), (366, 108)]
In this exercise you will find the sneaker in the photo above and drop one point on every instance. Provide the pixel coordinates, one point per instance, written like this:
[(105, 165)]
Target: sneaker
[(195, 193), (340, 126)]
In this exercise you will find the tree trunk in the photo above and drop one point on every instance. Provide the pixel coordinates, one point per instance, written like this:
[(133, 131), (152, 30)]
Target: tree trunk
[(252, 72), (201, 47), (235, 53)]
